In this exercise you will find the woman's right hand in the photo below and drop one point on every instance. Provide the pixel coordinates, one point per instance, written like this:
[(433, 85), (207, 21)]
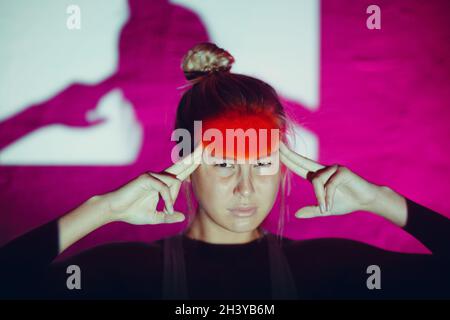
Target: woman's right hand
[(136, 202), (133, 203)]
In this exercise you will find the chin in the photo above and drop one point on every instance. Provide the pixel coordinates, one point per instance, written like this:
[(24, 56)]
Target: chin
[(242, 225)]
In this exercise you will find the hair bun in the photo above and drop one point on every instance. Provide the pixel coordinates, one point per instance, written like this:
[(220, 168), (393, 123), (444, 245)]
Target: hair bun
[(205, 58)]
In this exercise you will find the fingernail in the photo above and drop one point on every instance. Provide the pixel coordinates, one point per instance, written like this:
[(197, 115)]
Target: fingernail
[(322, 208)]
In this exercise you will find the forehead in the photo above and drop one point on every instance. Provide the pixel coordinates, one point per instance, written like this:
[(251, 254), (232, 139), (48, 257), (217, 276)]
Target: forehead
[(241, 136)]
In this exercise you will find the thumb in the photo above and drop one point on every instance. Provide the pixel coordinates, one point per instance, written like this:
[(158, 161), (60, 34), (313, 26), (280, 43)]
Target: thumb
[(92, 117), (309, 212), (172, 218), (95, 122)]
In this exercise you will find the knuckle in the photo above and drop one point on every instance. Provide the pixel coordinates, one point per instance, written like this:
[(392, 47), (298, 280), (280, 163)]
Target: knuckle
[(169, 176), (331, 184), (316, 182), (334, 167), (320, 181), (164, 191), (146, 178)]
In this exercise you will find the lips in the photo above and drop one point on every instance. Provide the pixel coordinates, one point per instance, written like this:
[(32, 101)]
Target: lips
[(246, 211)]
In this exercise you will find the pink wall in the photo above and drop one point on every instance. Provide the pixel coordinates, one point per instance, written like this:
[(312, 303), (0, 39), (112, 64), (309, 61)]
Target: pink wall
[(384, 107)]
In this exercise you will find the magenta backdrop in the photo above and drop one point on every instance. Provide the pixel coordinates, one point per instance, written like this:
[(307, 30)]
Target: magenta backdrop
[(384, 111)]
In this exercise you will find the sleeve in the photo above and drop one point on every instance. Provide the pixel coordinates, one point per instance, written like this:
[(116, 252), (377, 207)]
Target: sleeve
[(430, 228), (24, 260), (120, 270), (343, 268), (28, 270)]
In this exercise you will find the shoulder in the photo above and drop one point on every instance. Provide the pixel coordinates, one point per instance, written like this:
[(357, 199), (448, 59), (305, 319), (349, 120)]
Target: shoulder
[(335, 251), (327, 265), (118, 269), (348, 254), (331, 245)]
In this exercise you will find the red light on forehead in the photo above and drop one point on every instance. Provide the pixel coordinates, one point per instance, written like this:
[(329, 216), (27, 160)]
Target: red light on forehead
[(249, 135)]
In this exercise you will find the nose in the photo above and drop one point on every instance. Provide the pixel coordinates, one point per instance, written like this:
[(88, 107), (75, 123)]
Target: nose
[(244, 185)]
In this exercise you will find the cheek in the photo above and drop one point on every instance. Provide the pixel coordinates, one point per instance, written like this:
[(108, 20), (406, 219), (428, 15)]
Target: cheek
[(210, 188), (268, 188)]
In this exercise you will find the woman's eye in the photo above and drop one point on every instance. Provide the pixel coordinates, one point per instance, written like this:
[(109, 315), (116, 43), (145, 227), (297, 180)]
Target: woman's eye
[(263, 164), (224, 165)]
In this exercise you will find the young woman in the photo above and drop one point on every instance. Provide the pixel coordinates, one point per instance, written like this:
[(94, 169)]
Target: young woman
[(224, 253)]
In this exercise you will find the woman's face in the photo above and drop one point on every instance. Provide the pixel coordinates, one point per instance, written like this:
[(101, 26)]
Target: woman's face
[(235, 196)]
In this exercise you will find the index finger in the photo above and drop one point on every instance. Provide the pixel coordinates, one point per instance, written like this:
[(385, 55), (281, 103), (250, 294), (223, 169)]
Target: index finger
[(299, 160), (184, 167)]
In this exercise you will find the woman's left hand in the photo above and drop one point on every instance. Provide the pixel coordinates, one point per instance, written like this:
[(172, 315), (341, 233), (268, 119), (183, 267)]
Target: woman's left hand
[(339, 190)]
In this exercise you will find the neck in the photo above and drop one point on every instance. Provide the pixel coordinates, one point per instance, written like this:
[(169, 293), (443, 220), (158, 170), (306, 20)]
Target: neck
[(204, 229)]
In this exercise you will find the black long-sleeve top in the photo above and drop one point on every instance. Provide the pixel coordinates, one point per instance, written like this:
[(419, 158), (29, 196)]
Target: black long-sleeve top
[(309, 269)]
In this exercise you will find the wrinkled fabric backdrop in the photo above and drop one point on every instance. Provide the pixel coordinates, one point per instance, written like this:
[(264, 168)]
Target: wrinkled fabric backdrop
[(383, 111)]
